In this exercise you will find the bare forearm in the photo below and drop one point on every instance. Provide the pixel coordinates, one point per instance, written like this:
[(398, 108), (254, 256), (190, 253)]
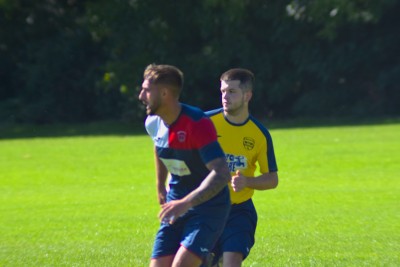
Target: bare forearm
[(214, 182), (161, 177), (161, 170), (263, 182), (218, 177)]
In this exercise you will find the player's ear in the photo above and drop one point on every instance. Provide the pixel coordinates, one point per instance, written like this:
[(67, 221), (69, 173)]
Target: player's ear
[(164, 91), (248, 95)]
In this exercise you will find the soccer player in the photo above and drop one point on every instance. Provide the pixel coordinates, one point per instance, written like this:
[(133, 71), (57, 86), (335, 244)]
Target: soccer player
[(245, 142), (196, 206)]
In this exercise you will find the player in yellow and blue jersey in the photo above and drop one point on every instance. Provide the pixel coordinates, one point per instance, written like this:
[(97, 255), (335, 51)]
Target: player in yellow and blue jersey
[(246, 143)]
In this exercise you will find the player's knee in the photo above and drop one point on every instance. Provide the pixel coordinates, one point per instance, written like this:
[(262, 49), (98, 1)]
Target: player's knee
[(232, 259)]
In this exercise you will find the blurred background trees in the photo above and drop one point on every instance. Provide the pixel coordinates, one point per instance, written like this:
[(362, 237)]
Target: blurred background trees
[(79, 61)]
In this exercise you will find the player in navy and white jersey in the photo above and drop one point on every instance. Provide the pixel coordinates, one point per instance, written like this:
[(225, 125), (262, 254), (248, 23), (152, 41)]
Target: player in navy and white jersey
[(195, 208)]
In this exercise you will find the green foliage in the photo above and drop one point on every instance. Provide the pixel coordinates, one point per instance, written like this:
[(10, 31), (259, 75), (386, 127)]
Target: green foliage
[(83, 60)]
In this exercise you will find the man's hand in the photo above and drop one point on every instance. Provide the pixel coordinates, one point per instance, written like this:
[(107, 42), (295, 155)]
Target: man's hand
[(238, 181), (215, 181), (264, 181), (172, 210)]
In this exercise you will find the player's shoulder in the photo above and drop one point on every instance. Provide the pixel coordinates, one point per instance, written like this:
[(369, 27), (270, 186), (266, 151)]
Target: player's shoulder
[(214, 112), (152, 120), (259, 125), (152, 123), (193, 112)]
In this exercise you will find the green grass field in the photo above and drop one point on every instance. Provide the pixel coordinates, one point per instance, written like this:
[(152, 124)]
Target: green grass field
[(69, 198)]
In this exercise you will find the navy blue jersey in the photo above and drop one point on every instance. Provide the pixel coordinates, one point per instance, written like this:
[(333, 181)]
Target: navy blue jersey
[(185, 147)]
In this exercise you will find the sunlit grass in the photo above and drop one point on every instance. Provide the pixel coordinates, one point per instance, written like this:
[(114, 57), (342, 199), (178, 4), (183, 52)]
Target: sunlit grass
[(90, 201), (337, 203), (77, 201)]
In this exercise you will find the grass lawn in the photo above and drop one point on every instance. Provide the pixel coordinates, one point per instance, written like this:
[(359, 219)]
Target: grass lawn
[(72, 198)]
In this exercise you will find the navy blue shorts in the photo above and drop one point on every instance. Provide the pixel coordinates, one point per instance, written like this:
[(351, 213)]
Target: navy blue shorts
[(197, 231), (238, 235)]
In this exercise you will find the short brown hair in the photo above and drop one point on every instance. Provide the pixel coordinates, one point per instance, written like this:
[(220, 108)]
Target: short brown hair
[(167, 75), (245, 77)]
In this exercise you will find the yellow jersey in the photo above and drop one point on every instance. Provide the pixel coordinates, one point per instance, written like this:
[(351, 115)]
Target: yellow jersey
[(245, 145)]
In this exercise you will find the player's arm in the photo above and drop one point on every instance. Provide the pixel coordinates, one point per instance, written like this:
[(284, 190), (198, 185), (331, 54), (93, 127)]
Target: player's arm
[(218, 177), (215, 181), (267, 163), (265, 181), (214, 159), (161, 178)]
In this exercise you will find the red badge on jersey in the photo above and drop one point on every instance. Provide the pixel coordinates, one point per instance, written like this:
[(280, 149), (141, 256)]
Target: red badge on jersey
[(181, 136)]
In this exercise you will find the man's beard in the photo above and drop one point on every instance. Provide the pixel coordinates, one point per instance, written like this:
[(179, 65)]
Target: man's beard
[(152, 110), (234, 110)]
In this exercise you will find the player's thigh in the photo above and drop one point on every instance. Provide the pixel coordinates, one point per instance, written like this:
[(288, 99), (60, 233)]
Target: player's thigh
[(165, 261), (167, 241), (185, 257), (238, 235), (201, 234)]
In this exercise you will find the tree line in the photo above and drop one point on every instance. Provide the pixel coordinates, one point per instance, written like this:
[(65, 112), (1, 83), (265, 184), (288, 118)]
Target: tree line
[(80, 61)]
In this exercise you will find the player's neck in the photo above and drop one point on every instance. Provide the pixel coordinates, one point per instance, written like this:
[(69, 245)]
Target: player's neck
[(172, 114), (237, 118)]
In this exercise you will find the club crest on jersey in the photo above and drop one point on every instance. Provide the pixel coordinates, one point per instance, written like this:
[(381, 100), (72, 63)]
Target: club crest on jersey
[(248, 143), (181, 136)]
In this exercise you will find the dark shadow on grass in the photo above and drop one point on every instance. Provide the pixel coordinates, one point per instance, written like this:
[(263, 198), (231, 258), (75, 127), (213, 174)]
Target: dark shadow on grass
[(110, 128), (329, 122), (114, 128)]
